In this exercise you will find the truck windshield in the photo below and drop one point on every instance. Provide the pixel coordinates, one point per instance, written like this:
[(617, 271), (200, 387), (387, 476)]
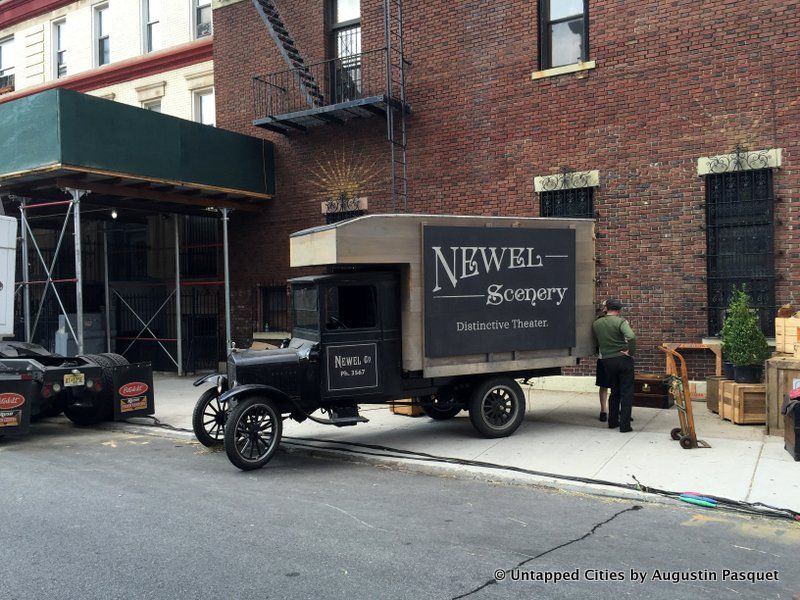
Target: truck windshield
[(304, 306)]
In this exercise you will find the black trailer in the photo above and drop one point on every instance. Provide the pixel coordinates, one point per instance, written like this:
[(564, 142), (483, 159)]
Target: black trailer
[(35, 384), (447, 312)]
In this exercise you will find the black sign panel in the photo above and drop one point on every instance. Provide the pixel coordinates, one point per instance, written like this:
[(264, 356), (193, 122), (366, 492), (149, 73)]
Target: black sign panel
[(352, 367), (133, 391), (498, 289)]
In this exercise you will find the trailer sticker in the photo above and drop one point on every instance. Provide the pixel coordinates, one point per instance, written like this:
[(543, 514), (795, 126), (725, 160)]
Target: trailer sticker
[(135, 388), (11, 400), (10, 418), (496, 289), (132, 404), (352, 367)]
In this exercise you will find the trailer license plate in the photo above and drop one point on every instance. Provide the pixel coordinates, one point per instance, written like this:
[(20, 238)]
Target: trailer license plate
[(73, 380)]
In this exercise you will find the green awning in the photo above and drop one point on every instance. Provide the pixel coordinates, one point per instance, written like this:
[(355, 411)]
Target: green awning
[(64, 135)]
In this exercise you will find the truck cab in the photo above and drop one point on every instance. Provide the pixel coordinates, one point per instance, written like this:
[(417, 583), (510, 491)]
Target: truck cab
[(344, 349)]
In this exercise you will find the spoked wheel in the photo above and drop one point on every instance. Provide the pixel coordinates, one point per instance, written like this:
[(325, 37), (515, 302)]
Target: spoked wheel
[(208, 418), (252, 433), (497, 407), (440, 408)]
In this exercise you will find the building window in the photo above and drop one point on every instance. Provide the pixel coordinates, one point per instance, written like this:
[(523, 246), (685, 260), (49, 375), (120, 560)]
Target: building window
[(101, 29), (154, 105), (151, 17), (563, 33), (202, 18), (275, 308), (575, 203), (204, 109), (739, 237), (59, 48), (6, 64), (345, 49)]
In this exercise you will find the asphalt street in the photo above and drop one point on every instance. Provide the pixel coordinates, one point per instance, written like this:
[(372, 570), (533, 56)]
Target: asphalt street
[(98, 514)]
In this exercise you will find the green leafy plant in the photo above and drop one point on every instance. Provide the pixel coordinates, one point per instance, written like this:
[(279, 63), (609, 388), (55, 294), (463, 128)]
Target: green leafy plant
[(743, 342)]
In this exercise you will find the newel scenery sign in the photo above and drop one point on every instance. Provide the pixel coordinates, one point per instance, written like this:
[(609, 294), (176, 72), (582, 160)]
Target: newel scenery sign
[(498, 289)]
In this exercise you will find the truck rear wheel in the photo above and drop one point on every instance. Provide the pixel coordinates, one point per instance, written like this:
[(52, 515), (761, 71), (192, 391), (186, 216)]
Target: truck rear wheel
[(440, 408), (252, 433), (208, 419), (497, 407)]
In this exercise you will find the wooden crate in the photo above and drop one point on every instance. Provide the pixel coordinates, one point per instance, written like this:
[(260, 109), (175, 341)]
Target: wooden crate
[(782, 372), (787, 334), (407, 410), (749, 403), (725, 404), (713, 395)]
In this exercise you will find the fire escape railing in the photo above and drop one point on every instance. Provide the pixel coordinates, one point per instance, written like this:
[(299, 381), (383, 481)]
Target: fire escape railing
[(326, 83)]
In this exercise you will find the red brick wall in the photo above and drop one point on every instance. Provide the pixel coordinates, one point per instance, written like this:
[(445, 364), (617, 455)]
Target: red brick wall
[(674, 81)]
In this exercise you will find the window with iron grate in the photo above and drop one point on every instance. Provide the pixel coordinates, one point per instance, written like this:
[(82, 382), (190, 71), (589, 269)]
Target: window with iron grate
[(275, 308), (575, 202), (739, 237)]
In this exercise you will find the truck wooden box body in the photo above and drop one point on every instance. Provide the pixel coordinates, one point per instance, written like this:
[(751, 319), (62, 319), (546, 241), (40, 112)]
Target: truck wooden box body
[(445, 310)]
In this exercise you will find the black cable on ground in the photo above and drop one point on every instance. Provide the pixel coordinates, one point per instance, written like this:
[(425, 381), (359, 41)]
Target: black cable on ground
[(726, 504)]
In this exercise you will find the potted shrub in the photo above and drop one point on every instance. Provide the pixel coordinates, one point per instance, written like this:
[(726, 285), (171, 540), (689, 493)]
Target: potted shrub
[(725, 339), (745, 344)]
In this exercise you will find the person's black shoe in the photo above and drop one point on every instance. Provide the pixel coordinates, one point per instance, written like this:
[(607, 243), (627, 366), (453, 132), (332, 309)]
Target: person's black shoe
[(612, 425), (603, 417), (627, 429)]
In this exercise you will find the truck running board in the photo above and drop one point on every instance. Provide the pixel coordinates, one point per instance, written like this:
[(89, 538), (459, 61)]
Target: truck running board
[(341, 416)]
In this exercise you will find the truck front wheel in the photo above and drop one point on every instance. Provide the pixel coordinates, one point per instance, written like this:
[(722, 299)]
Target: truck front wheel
[(252, 433), (497, 407)]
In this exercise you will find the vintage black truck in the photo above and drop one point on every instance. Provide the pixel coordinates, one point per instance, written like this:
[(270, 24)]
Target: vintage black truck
[(445, 311)]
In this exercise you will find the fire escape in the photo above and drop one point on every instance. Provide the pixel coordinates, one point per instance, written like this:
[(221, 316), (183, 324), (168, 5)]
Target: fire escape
[(354, 85)]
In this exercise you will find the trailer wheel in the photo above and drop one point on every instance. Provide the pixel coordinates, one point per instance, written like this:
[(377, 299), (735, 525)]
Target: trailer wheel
[(89, 413), (440, 408), (117, 359), (252, 433), (103, 400), (497, 407), (208, 419)]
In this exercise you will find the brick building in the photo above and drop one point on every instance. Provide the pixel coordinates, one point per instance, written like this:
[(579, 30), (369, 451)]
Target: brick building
[(675, 126), (154, 54)]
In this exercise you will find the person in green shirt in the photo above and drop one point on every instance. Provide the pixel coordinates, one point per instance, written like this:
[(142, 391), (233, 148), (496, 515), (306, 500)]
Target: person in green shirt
[(616, 343)]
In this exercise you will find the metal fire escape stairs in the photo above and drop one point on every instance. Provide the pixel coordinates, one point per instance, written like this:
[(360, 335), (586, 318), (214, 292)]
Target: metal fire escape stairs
[(396, 99), (277, 29), (392, 102)]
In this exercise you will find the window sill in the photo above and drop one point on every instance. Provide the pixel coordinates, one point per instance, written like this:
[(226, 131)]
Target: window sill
[(554, 72)]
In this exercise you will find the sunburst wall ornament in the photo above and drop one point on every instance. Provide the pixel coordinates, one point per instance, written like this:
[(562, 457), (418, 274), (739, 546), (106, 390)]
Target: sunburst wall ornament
[(341, 180)]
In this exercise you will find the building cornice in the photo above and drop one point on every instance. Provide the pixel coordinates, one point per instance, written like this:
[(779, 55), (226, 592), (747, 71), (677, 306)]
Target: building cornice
[(17, 11), (127, 70)]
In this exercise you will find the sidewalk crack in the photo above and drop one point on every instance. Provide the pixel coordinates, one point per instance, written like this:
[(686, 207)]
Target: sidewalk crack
[(553, 549), (755, 469)]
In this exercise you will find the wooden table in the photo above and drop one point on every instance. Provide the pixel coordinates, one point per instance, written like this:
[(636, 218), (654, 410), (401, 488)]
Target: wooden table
[(715, 348)]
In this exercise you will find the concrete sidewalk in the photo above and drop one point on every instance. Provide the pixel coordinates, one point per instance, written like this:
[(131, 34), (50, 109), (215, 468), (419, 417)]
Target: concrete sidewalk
[(561, 435)]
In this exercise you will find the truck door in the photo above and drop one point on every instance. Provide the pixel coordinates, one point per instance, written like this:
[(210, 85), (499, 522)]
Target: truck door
[(351, 340), (8, 261)]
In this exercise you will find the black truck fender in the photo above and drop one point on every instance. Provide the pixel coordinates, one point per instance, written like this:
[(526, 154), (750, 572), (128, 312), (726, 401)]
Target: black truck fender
[(220, 379), (285, 403)]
